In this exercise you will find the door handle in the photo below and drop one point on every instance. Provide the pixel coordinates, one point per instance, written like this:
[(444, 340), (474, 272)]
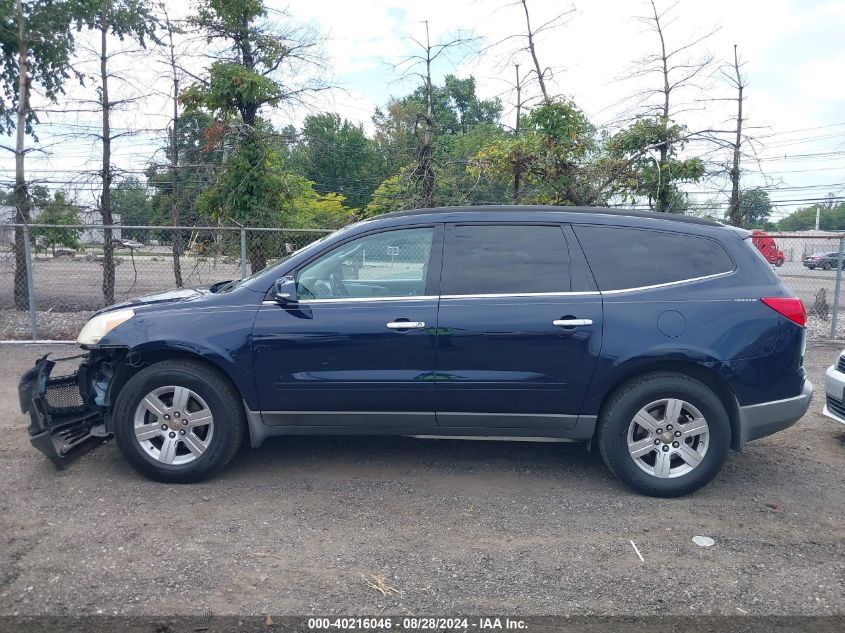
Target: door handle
[(405, 325), (571, 322)]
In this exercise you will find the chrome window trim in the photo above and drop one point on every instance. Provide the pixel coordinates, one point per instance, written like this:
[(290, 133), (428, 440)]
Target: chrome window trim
[(583, 293), (522, 294), (590, 292), (668, 283)]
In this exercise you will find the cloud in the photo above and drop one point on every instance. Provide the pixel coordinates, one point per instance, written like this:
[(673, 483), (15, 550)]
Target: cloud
[(792, 48), (823, 78)]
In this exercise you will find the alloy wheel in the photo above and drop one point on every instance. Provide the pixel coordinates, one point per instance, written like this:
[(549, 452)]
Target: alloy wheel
[(173, 425), (668, 438)]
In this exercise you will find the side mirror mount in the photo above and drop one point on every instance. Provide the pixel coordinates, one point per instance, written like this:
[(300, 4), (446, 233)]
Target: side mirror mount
[(284, 290)]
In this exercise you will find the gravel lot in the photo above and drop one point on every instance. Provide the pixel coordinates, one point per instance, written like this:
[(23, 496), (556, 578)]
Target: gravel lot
[(74, 284), (456, 527)]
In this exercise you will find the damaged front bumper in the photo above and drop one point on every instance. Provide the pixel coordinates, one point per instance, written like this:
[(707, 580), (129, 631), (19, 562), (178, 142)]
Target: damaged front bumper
[(66, 413)]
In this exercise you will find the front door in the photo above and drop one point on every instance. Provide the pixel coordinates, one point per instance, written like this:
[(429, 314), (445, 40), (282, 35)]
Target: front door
[(358, 346), (516, 347)]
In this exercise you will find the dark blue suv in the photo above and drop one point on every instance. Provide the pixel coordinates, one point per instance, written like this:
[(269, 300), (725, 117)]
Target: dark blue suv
[(662, 340)]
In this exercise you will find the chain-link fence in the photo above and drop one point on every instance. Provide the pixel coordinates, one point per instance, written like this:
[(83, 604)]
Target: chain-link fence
[(810, 263), (65, 281), (65, 271)]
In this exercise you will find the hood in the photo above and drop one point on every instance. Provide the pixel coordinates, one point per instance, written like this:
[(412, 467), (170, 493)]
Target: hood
[(178, 295)]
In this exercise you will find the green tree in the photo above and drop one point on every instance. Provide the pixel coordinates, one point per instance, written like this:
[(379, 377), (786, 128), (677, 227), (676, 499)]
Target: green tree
[(252, 187), (461, 125), (200, 156), (394, 139), (37, 43), (338, 157), (309, 208), (560, 156), (456, 110), (133, 205), (59, 210), (651, 147), (831, 218), (754, 208), (394, 193), (122, 19), (48, 29), (459, 183), (655, 142)]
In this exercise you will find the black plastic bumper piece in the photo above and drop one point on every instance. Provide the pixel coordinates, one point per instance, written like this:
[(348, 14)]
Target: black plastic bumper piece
[(63, 424)]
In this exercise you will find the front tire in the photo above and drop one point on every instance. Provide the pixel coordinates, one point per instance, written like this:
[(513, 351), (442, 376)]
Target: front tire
[(178, 421), (664, 434)]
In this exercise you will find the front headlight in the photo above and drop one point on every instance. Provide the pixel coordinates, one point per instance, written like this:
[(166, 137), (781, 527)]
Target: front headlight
[(101, 325)]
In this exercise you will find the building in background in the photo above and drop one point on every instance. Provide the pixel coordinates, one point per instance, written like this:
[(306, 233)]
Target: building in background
[(7, 233), (94, 236)]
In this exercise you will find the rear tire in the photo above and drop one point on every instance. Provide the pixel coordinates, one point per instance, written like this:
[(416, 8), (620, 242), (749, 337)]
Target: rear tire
[(204, 423), (652, 459)]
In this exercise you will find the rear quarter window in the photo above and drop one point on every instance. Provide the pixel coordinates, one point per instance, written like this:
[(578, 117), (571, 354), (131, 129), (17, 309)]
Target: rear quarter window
[(622, 258)]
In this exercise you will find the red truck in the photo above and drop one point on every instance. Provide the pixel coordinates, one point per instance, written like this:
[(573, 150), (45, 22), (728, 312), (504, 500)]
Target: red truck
[(766, 244)]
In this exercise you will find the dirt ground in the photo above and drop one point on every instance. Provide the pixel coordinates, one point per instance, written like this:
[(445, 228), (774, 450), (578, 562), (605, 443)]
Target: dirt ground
[(454, 527)]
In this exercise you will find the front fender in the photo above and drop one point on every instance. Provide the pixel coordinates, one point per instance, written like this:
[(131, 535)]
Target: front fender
[(219, 335)]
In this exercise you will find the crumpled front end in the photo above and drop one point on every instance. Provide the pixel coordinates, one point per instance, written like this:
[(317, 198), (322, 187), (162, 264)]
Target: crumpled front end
[(66, 412)]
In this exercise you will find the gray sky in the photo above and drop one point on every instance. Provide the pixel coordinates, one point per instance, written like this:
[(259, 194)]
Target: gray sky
[(794, 65)]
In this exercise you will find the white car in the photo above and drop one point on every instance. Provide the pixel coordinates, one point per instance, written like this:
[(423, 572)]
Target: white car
[(834, 386)]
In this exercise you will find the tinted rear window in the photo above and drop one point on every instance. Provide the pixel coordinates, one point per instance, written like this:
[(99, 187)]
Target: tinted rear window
[(506, 259), (630, 258)]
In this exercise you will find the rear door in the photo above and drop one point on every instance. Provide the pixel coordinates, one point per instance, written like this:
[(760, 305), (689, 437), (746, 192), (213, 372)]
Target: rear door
[(517, 342)]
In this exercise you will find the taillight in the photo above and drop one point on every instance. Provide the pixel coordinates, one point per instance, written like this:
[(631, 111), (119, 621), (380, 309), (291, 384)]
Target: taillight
[(790, 307)]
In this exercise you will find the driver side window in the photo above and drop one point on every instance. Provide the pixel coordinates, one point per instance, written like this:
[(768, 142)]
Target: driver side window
[(388, 264)]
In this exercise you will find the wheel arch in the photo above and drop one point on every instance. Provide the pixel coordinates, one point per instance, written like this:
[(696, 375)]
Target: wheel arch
[(703, 374), (137, 359)]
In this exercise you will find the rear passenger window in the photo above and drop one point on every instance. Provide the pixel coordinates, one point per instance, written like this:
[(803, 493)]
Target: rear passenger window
[(630, 258), (506, 259)]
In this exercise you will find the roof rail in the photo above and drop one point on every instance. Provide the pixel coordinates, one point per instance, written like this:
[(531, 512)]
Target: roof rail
[(557, 209)]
